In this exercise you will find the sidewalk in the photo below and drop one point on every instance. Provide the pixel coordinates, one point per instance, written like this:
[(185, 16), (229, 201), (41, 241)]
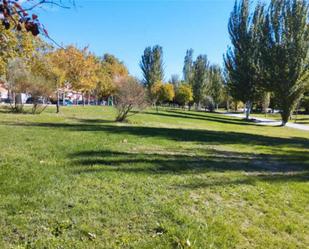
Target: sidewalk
[(269, 122)]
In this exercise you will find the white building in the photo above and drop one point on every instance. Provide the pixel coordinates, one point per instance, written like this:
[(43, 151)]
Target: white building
[(3, 92)]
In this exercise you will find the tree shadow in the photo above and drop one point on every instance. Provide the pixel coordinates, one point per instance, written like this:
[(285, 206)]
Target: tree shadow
[(270, 178), (175, 134), (92, 121), (205, 117), (272, 168)]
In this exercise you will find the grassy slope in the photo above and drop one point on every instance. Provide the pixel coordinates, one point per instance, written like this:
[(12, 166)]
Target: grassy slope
[(165, 180)]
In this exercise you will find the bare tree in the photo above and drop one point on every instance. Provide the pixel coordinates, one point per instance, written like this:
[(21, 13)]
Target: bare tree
[(18, 81), (130, 95)]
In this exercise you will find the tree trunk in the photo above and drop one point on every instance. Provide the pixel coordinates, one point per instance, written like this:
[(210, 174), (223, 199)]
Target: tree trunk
[(83, 97), (248, 109), (58, 102), (14, 98), (285, 115), (63, 98), (235, 106), (228, 106)]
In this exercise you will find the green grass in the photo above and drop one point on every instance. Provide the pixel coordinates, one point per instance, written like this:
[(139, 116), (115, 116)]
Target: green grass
[(164, 180)]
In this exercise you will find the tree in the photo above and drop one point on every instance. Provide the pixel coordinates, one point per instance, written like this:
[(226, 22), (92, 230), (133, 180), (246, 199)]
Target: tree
[(167, 93), (114, 67), (18, 79), (58, 70), (80, 69), (110, 71), (105, 86), (184, 94), (16, 44), (161, 92), (152, 65), (175, 81), (44, 80), (285, 53), (155, 92), (241, 61), (14, 13), (215, 87), (200, 79), (265, 101), (305, 103), (8, 44), (188, 70), (130, 95)]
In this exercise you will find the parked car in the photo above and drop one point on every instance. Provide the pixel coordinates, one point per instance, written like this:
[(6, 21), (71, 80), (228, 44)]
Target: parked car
[(6, 101), (67, 102), (31, 100)]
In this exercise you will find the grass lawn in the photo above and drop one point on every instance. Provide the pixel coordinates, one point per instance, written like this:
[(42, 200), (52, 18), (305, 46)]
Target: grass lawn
[(173, 179)]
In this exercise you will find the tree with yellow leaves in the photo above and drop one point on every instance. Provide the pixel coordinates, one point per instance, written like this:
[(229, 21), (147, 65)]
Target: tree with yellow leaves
[(167, 93), (80, 68), (110, 71), (57, 69), (184, 95)]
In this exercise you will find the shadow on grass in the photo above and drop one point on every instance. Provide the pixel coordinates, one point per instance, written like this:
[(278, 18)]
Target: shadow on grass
[(92, 121), (252, 179), (258, 167), (181, 135), (219, 118)]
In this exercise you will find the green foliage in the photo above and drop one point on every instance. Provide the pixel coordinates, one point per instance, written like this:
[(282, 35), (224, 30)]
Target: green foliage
[(215, 86), (175, 81), (152, 65), (241, 61), (188, 69), (200, 77), (305, 103), (285, 53)]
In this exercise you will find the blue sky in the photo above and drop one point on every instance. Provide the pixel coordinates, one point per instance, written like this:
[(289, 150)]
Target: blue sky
[(125, 28)]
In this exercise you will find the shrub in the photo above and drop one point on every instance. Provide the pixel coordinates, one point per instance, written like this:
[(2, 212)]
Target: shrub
[(130, 94)]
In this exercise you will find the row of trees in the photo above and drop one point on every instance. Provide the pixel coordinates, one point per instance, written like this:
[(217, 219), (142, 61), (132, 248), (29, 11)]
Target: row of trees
[(269, 56), (29, 65), (266, 64), (202, 83), (206, 81)]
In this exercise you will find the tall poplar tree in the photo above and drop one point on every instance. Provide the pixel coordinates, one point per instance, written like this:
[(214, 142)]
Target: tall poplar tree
[(215, 87), (188, 70), (201, 66), (152, 65), (241, 60), (285, 53)]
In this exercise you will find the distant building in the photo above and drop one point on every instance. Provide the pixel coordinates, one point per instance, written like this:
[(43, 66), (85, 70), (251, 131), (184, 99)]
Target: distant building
[(4, 93)]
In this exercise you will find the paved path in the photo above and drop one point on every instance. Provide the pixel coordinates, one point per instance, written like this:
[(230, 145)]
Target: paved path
[(269, 122)]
